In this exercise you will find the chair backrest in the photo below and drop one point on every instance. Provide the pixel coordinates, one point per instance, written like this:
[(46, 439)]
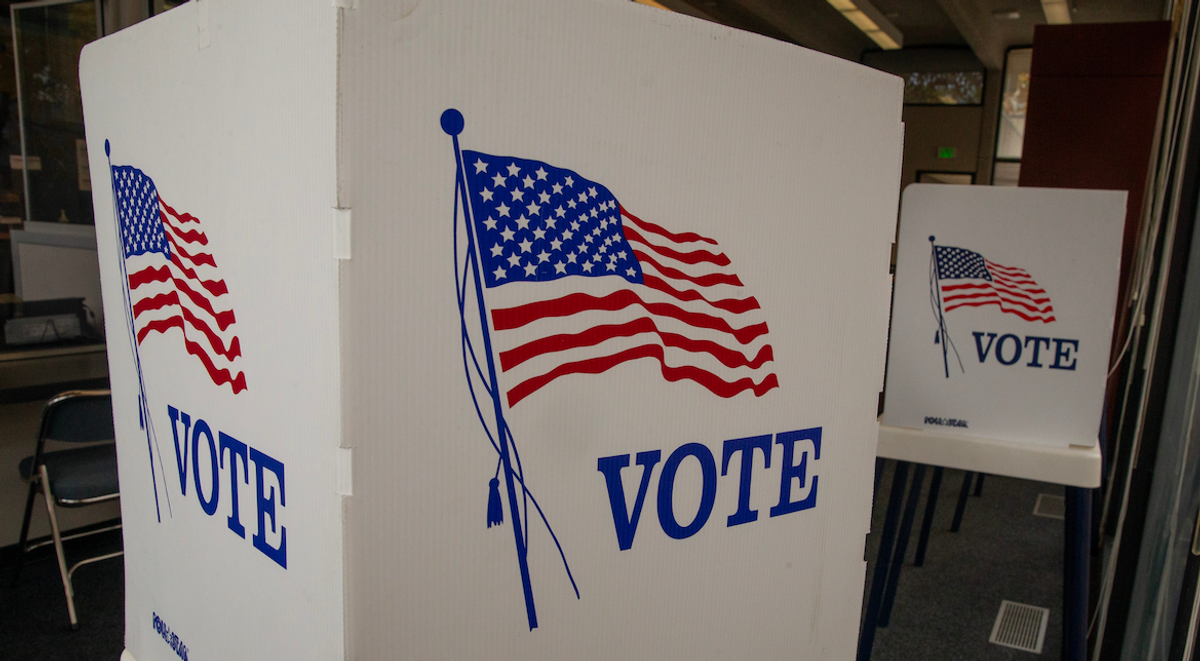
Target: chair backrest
[(80, 416)]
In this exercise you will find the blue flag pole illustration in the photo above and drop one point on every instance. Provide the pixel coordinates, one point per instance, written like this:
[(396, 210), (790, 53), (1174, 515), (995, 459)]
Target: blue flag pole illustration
[(452, 123), (143, 405), (935, 299)]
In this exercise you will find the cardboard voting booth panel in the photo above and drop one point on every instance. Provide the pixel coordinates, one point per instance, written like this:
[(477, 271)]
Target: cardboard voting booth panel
[(1003, 310), (467, 329)]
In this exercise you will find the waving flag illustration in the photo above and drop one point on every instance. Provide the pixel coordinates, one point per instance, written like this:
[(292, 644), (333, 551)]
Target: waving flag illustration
[(171, 282), (582, 285), (577, 285), (173, 279), (964, 278)]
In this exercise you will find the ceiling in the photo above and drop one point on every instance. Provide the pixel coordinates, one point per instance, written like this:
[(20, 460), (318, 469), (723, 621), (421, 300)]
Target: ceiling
[(984, 26)]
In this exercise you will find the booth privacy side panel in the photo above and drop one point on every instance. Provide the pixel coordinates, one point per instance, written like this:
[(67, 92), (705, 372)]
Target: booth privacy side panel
[(220, 117), (782, 163)]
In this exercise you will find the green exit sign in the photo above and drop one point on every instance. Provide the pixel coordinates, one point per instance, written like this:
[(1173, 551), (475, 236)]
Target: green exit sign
[(946, 152)]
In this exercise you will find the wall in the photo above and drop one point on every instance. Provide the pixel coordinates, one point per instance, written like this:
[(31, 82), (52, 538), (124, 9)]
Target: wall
[(927, 128), (1093, 103)]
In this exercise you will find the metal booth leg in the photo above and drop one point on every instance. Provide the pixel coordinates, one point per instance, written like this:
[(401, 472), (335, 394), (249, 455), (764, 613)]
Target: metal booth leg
[(1076, 545), (910, 511), (962, 501), (866, 640), (935, 485), (979, 484)]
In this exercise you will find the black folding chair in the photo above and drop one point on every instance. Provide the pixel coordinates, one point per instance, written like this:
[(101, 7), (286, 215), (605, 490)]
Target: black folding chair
[(71, 478)]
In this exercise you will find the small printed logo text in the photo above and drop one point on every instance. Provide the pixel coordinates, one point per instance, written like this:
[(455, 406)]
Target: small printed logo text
[(169, 636), (945, 422)]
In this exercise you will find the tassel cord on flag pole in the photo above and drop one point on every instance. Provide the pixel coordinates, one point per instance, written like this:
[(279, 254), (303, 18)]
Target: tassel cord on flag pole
[(452, 123), (519, 475), (549, 528), (144, 419), (143, 405), (468, 350), (935, 301), (495, 513)]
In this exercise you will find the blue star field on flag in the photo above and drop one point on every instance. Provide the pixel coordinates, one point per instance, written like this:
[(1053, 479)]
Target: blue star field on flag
[(536, 222), (142, 228), (959, 263)]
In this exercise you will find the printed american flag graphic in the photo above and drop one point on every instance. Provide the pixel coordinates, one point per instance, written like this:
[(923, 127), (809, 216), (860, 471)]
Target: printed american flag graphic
[(579, 285), (172, 278), (975, 281)]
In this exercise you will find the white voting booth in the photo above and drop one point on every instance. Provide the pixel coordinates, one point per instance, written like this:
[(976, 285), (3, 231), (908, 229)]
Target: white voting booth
[(489, 330), (1001, 327)]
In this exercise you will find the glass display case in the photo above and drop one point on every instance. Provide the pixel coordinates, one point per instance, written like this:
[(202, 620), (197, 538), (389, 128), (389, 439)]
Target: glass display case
[(47, 37)]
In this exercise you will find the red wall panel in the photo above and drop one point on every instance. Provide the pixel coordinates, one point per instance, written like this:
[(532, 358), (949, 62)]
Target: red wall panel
[(1093, 103)]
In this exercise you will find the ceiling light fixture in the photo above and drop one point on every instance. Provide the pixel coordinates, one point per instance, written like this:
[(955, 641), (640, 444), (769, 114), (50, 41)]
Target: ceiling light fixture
[(871, 21), (1058, 12)]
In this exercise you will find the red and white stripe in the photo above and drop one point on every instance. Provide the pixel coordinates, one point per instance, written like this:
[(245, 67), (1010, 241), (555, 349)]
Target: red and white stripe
[(693, 316), (187, 293), (1011, 288)]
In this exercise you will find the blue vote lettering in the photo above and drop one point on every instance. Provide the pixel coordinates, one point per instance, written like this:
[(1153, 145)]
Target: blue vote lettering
[(800, 448), (1008, 349), (197, 440)]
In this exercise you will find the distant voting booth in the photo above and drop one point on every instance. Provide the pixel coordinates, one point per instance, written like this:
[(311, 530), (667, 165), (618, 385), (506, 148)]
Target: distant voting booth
[(1001, 329), (1002, 321), (489, 330)]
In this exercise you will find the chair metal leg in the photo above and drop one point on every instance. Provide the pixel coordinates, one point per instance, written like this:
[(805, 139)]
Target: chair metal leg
[(58, 548), (107, 556), (910, 511), (979, 484), (33, 487), (962, 501), (935, 485)]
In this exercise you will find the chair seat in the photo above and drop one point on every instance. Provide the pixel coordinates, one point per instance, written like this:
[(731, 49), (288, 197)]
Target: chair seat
[(79, 473)]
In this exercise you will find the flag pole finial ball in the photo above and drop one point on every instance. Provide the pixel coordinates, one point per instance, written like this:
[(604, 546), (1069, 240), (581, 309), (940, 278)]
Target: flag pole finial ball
[(107, 148), (452, 122), (931, 237)]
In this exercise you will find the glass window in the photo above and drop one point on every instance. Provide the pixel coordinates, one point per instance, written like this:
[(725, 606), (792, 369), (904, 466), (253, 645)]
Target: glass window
[(1013, 104), (1006, 173), (944, 88), (48, 38)]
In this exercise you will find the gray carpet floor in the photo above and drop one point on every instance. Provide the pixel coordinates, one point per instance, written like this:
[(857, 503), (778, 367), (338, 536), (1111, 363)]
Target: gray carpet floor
[(944, 610), (33, 614)]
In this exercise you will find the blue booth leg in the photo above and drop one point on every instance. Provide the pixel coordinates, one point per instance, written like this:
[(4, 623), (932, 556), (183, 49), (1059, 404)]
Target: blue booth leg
[(866, 639), (910, 511), (962, 501), (1076, 557), (935, 485)]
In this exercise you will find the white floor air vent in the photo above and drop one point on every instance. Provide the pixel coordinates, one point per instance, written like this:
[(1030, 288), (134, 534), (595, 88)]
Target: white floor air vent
[(1051, 507), (1020, 626)]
